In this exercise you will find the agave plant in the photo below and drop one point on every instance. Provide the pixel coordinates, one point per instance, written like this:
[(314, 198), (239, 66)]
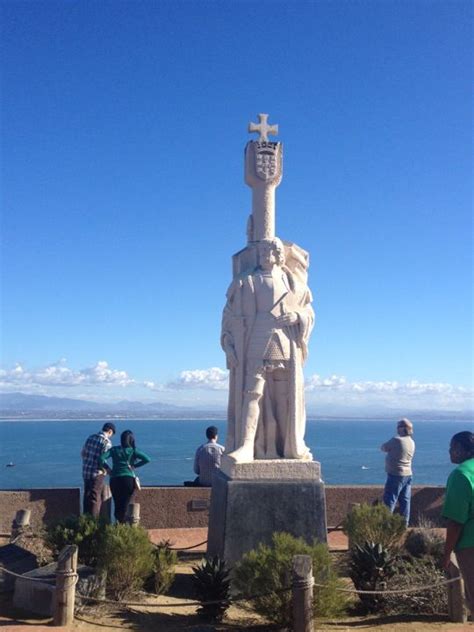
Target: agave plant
[(211, 583), (370, 566)]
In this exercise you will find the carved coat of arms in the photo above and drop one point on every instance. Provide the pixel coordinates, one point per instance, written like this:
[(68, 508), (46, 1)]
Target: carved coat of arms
[(265, 161)]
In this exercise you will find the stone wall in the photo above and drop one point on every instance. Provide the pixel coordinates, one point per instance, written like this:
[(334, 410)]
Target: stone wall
[(174, 507), (47, 505), (426, 501), (185, 507), (168, 507)]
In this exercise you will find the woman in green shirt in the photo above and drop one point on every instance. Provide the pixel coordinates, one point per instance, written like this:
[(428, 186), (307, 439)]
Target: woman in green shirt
[(125, 459), (459, 510)]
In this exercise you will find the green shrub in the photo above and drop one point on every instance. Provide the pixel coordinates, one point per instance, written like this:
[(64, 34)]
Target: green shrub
[(85, 531), (374, 523), (165, 560), (423, 542), (127, 556), (412, 572), (268, 569), (211, 583), (369, 568)]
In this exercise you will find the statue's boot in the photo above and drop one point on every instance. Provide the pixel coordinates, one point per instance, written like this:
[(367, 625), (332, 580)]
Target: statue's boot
[(244, 454), (251, 410)]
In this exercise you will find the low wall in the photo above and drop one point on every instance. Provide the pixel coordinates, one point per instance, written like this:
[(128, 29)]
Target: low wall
[(425, 501), (186, 507), (173, 507), (46, 505)]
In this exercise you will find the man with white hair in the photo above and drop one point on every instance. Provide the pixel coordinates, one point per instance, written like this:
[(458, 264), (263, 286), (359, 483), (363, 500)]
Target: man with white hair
[(400, 450)]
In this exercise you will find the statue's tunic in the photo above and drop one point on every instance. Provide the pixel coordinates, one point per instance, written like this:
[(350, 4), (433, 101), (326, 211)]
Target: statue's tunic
[(268, 346), (265, 349)]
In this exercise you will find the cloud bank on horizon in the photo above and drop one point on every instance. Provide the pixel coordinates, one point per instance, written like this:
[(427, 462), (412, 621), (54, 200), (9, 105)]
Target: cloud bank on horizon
[(58, 374), (211, 384)]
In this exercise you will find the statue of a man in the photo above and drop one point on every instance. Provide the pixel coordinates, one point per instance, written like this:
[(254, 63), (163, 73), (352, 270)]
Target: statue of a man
[(267, 322)]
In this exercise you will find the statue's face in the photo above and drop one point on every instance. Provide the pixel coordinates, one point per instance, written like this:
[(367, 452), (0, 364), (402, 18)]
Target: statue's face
[(267, 256)]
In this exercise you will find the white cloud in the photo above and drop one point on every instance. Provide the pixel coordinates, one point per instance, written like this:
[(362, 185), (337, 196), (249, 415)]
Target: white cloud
[(58, 374), (413, 394), (414, 387), (338, 390), (101, 381), (213, 379), (316, 382), (154, 386)]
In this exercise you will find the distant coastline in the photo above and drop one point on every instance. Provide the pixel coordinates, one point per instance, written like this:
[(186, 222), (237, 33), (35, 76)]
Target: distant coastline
[(221, 417), (19, 406)]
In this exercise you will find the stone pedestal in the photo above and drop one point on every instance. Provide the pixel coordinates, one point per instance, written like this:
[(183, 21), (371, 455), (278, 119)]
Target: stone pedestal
[(250, 501)]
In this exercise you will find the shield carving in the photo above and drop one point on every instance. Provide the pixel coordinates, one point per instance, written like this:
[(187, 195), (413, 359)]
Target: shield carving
[(265, 164)]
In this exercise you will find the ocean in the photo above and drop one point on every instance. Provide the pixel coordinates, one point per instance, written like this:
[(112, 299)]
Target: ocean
[(47, 453)]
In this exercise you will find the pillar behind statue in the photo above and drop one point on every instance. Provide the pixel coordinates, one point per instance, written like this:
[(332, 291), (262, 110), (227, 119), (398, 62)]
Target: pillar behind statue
[(266, 325)]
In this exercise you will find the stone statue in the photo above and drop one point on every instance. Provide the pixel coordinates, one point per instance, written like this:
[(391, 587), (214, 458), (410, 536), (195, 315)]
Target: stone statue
[(267, 322)]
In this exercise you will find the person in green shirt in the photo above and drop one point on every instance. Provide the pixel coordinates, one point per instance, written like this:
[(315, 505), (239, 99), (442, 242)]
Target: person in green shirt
[(125, 459), (459, 510)]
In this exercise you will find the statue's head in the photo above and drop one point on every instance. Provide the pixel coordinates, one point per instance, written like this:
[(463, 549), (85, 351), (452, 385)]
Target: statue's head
[(270, 252)]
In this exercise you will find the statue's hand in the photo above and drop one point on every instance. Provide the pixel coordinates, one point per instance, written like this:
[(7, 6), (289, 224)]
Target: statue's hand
[(232, 361), (229, 349), (287, 319)]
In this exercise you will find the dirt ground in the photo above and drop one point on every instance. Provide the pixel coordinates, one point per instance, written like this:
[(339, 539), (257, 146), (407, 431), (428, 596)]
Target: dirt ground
[(174, 618), (170, 617), (145, 619)]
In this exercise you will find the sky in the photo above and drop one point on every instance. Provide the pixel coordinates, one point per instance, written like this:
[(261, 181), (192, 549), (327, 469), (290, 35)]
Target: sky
[(123, 129)]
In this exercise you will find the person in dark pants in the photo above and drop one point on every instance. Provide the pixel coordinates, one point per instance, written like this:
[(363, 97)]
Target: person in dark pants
[(125, 459), (93, 477)]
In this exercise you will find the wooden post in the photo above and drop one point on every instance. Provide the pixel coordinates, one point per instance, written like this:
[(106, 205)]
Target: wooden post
[(65, 593), (456, 608), (133, 514), (22, 518), (106, 505), (302, 593), (21, 522)]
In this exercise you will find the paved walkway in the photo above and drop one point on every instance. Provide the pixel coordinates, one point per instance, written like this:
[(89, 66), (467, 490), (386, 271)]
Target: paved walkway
[(184, 538)]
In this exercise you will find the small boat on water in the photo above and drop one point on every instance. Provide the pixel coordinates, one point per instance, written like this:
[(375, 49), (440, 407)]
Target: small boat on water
[(11, 464)]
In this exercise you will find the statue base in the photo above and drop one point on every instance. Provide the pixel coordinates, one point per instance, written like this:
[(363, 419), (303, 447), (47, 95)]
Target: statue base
[(250, 501)]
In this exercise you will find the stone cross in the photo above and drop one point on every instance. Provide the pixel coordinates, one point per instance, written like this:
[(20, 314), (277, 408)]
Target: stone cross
[(263, 173), (263, 128)]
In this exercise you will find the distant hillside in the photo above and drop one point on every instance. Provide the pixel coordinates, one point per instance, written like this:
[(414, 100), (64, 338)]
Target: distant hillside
[(20, 401), (23, 406)]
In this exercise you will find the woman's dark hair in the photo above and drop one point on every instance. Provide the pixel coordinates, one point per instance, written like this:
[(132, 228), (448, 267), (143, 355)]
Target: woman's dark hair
[(465, 440), (127, 440)]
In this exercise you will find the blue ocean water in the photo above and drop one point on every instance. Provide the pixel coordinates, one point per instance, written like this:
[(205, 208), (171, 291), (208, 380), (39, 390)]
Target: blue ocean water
[(47, 453)]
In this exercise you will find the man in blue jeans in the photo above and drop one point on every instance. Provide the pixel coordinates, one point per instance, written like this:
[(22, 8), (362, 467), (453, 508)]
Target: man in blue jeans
[(400, 450)]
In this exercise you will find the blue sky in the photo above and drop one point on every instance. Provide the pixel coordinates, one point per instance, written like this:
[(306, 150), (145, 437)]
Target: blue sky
[(123, 129)]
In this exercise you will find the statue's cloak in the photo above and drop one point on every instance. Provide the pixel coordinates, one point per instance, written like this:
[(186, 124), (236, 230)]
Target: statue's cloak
[(237, 323)]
